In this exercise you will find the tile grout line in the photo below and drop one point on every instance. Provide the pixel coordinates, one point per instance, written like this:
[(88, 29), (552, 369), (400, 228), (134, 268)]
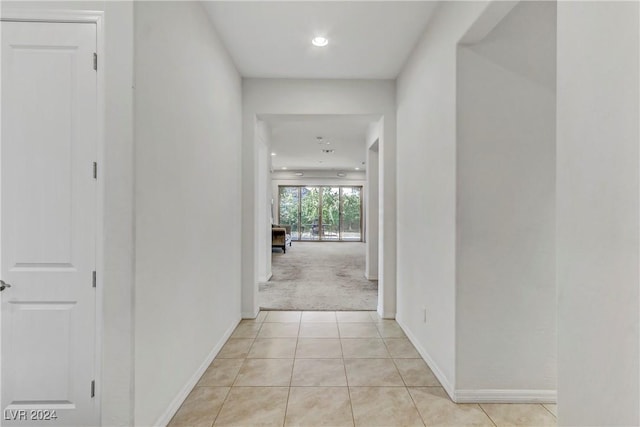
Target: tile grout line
[(346, 377), (293, 364), (236, 376), (486, 413), (221, 406), (406, 387), (549, 410)]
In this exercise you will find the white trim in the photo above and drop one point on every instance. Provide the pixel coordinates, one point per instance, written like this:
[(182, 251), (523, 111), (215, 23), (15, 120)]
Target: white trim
[(444, 381), (97, 18), (265, 279), (246, 315), (36, 15), (177, 401), (506, 396), (382, 314), (480, 396), (100, 221)]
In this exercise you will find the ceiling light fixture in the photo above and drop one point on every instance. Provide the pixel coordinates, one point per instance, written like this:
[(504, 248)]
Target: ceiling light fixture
[(273, 154), (357, 169), (299, 174), (284, 168), (341, 174), (320, 41)]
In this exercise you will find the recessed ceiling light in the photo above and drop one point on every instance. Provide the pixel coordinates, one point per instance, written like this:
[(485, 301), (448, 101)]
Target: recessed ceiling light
[(284, 168), (299, 174), (273, 154), (320, 41), (357, 169), (341, 174)]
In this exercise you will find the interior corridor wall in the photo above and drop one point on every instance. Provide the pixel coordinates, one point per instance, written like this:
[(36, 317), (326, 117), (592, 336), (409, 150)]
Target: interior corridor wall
[(263, 220), (505, 268), (426, 196), (597, 212), (187, 172), (372, 200)]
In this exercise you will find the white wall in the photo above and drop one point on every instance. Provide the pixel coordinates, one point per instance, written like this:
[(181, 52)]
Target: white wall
[(372, 201), (188, 134), (426, 198), (117, 362), (506, 293), (284, 96), (116, 386), (597, 213), (263, 218)]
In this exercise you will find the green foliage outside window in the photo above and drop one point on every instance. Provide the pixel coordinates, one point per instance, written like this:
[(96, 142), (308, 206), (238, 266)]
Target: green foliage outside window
[(309, 203)]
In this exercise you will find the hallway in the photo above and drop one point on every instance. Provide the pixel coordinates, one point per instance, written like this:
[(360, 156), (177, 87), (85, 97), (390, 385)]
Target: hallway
[(334, 369), (484, 152)]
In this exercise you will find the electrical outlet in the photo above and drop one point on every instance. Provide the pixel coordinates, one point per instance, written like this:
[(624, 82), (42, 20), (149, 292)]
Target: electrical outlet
[(424, 314)]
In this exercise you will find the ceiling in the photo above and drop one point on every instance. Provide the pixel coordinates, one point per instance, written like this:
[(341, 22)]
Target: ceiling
[(367, 39), (294, 140)]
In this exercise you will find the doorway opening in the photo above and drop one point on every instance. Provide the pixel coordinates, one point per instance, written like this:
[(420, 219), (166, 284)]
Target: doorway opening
[(318, 191)]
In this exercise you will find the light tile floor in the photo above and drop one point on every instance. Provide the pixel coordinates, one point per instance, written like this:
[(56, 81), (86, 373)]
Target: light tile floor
[(288, 368)]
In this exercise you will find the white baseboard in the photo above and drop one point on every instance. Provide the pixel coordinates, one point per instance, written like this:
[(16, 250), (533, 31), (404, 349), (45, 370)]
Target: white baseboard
[(480, 396), (265, 278), (506, 396), (444, 381), (165, 418), (385, 315), (250, 315)]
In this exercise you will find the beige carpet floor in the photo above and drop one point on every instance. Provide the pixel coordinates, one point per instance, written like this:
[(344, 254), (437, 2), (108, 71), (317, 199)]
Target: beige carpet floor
[(319, 276)]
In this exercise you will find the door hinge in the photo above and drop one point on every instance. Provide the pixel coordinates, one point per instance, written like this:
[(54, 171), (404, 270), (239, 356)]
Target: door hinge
[(95, 170), (95, 61), (93, 388), (94, 279)]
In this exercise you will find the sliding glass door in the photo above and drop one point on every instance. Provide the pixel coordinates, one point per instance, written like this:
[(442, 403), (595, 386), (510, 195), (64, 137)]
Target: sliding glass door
[(351, 223), (290, 210), (309, 212), (322, 213), (330, 213)]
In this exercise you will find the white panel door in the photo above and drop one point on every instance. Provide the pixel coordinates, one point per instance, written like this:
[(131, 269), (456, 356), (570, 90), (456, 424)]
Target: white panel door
[(48, 223)]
